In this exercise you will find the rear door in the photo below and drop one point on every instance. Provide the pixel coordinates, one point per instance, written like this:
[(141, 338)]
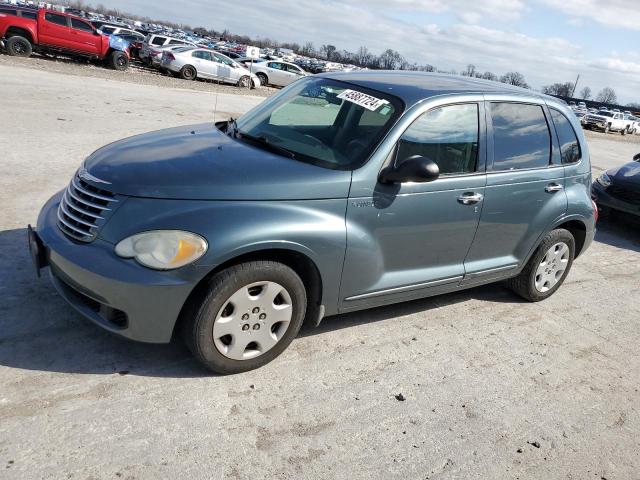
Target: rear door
[(85, 39), (277, 74), (54, 30), (525, 189)]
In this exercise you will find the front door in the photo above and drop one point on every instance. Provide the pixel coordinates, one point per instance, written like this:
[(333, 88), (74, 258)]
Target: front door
[(525, 189), (409, 239)]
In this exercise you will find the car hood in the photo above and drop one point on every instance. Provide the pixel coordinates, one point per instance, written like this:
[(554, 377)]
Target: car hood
[(627, 173), (199, 162)]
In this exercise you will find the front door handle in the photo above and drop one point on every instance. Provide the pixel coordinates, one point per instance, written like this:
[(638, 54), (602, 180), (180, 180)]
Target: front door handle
[(553, 187), (469, 198)]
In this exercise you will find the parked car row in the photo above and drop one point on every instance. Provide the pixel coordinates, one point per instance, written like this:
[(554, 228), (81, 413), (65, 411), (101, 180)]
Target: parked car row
[(607, 120)]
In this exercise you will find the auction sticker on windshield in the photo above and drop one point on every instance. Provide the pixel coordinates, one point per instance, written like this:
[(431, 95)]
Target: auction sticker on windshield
[(367, 101)]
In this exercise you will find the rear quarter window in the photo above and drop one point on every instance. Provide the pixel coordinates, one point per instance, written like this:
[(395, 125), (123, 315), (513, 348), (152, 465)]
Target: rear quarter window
[(521, 137), (31, 15), (158, 41), (569, 145)]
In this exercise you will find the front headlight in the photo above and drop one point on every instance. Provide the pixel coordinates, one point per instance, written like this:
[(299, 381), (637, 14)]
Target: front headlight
[(604, 180), (163, 249)]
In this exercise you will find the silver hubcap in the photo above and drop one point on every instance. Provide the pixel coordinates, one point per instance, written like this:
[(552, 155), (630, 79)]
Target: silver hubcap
[(552, 266), (252, 320)]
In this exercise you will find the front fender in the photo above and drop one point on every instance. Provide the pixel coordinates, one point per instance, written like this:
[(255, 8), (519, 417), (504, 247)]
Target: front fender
[(315, 228)]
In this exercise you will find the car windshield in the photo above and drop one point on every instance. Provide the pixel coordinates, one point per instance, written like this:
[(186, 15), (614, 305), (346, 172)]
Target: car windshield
[(606, 114), (321, 121)]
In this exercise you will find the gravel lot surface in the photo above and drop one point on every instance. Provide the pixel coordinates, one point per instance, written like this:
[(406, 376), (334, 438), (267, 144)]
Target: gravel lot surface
[(493, 387)]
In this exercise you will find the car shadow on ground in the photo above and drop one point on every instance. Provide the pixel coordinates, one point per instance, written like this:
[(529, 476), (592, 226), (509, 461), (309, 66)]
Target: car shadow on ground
[(619, 230), (39, 331)]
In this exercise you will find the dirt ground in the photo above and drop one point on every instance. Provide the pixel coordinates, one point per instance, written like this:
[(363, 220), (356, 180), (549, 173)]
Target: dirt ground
[(493, 387)]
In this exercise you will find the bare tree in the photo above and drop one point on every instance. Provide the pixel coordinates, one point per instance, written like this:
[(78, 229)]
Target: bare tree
[(634, 105), (308, 50), (559, 89), (607, 95), (489, 76), (391, 60), (470, 71), (585, 93), (328, 51), (514, 78)]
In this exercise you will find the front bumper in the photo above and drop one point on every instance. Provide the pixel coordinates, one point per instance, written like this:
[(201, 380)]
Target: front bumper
[(119, 295), (601, 197)]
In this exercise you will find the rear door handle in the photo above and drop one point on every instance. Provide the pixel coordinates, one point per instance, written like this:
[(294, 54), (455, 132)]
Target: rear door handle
[(469, 198), (553, 187)]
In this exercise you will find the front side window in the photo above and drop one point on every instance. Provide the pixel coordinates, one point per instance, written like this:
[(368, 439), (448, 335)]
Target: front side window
[(80, 25), (321, 121), (447, 135), (158, 41), (521, 136), (275, 65), (31, 15), (569, 145), (57, 19)]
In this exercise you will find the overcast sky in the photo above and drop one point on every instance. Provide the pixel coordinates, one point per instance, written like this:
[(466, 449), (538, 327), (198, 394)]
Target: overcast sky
[(547, 40)]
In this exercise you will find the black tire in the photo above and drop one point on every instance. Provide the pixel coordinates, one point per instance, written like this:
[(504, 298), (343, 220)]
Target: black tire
[(244, 82), (188, 73), (18, 46), (623, 131), (524, 283), (198, 317), (264, 81), (119, 61)]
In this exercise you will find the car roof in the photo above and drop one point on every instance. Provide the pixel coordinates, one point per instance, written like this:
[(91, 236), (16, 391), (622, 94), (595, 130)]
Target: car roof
[(412, 87)]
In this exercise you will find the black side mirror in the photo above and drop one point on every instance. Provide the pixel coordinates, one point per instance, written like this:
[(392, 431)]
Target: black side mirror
[(636, 157), (413, 169)]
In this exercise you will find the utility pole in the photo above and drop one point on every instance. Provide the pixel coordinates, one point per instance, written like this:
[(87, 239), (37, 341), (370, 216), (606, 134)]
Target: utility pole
[(575, 85)]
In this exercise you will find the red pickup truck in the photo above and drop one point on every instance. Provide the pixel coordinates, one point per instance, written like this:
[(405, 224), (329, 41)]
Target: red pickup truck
[(60, 33)]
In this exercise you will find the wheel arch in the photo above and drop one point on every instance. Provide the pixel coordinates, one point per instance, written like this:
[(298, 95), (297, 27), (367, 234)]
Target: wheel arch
[(19, 32), (295, 258)]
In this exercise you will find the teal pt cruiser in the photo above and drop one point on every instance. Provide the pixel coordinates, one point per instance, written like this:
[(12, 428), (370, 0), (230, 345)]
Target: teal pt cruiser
[(343, 191)]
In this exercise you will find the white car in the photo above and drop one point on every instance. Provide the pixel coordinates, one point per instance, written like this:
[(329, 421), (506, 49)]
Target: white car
[(277, 73), (192, 63)]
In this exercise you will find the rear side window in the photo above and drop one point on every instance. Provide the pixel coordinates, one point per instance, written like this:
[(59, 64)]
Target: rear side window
[(108, 30), (176, 42), (9, 11), (57, 19), (569, 145), (447, 135), (521, 136), (158, 41), (31, 15), (80, 25)]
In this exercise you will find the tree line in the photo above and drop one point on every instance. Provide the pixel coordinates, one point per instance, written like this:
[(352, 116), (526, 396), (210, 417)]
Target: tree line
[(388, 60)]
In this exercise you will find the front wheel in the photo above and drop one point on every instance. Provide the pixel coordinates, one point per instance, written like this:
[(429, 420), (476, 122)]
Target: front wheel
[(18, 46), (264, 81), (547, 268), (245, 317), (119, 61)]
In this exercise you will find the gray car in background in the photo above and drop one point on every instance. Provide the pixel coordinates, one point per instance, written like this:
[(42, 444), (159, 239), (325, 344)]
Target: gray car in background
[(342, 192)]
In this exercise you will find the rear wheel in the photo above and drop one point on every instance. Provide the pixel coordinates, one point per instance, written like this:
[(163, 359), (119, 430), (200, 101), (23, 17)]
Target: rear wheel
[(547, 268), (623, 131), (264, 81), (119, 61), (18, 46), (188, 72), (247, 316)]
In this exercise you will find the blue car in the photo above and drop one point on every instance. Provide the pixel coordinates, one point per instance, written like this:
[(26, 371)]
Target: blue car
[(342, 192)]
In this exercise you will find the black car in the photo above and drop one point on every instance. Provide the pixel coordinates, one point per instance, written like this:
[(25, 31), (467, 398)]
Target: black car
[(619, 188)]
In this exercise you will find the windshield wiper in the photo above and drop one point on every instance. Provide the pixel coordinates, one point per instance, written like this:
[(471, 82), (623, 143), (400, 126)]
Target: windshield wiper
[(263, 141)]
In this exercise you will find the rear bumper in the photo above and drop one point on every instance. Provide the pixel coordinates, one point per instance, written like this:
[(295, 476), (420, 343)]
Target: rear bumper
[(602, 198), (117, 294)]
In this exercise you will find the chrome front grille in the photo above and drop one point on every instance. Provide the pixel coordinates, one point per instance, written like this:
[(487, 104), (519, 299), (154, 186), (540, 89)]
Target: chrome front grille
[(83, 209)]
